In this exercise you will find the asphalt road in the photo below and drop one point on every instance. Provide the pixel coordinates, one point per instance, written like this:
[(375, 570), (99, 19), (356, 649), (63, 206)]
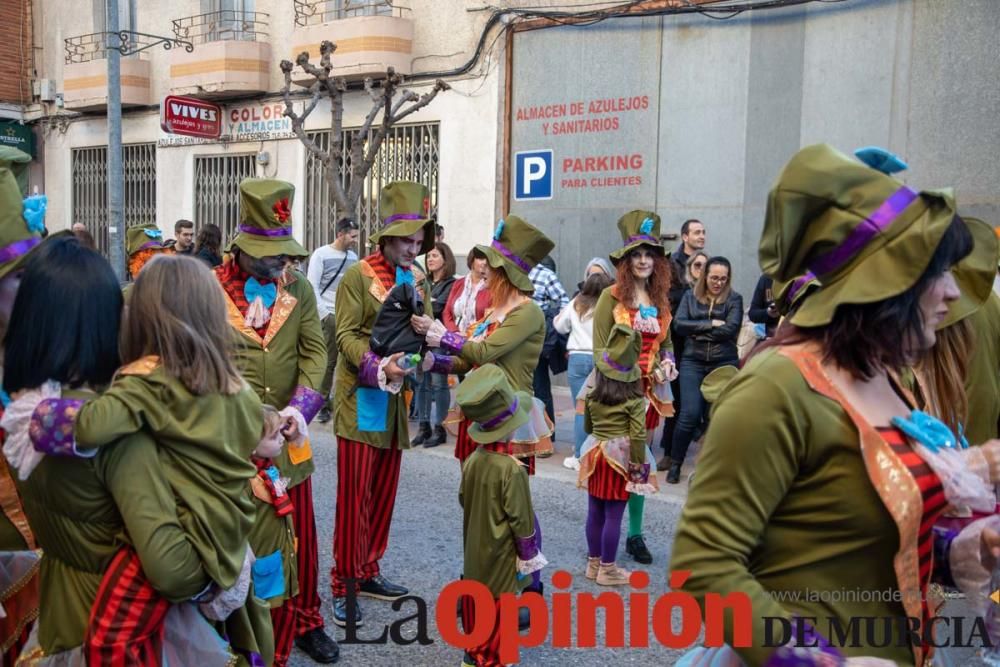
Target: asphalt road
[(425, 555)]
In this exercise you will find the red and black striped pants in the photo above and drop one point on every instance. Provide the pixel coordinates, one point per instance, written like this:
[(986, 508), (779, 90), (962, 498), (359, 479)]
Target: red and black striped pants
[(488, 654), (367, 478)]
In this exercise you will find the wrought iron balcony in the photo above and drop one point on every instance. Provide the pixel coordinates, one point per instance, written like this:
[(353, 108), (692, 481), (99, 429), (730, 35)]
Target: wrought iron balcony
[(222, 26), (95, 46), (316, 12)]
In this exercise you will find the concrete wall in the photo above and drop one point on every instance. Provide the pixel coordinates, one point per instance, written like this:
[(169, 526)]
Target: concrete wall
[(736, 98)]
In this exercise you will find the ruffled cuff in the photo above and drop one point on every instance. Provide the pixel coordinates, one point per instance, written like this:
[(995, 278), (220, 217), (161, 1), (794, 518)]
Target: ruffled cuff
[(816, 652), (976, 462), (383, 379), (526, 567), (965, 561), (368, 369), (307, 401), (452, 343), (638, 479), (667, 354), (529, 557), (943, 537), (300, 422), (434, 333), (438, 363), (222, 603), (51, 428)]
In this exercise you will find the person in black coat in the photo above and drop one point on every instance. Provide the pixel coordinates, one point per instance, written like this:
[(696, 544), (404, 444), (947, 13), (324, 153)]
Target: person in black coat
[(763, 310), (209, 244)]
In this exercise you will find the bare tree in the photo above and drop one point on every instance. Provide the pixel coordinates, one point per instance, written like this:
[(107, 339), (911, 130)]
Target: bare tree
[(385, 113)]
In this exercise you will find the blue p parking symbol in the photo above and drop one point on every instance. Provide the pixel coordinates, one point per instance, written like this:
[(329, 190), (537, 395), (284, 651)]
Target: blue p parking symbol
[(533, 175)]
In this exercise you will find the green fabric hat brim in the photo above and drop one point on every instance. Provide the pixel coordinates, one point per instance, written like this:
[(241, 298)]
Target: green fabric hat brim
[(516, 421), (517, 277), (404, 228), (605, 369), (267, 246), (888, 271), (975, 273), (15, 264), (621, 253), (715, 382)]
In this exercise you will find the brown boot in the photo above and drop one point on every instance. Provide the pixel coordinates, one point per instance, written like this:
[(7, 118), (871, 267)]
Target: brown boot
[(609, 574), (592, 566)]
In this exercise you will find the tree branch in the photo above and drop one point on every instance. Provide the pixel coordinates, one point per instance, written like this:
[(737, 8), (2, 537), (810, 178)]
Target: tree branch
[(425, 99)]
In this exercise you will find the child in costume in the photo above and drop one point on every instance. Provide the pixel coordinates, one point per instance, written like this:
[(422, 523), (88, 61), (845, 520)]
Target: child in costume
[(614, 459), (272, 537), (143, 243), (180, 384), (498, 527)]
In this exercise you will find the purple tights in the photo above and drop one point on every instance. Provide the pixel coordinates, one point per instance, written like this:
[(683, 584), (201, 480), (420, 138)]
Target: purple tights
[(536, 577), (604, 527)]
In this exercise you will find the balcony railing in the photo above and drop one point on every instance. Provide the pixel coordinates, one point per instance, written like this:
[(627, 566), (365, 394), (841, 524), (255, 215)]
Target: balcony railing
[(316, 12), (84, 48), (224, 25)]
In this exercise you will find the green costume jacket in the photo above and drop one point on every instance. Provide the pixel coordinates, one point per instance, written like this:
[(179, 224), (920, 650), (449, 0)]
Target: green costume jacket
[(605, 422), (982, 385), (292, 354), (271, 533), (783, 503), (364, 413), (205, 444), (496, 504), (514, 346)]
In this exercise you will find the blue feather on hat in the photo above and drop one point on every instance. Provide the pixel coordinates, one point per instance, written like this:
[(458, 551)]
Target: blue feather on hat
[(881, 159)]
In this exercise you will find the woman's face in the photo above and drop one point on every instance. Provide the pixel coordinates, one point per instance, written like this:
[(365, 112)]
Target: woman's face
[(717, 279), (479, 268), (934, 305), (697, 266), (9, 285), (435, 261), (489, 271), (594, 269), (641, 262)]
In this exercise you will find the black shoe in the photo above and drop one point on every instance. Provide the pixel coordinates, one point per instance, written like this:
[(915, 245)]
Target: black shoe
[(423, 436), (663, 463), (440, 437), (318, 646), (324, 416), (468, 660), (635, 546), (674, 476), (340, 612), (380, 588)]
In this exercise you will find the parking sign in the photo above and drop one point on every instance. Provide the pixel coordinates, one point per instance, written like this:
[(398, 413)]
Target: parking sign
[(533, 175)]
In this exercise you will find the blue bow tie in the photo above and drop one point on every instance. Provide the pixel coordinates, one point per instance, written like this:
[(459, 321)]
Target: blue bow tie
[(267, 292), (403, 276), (648, 311), (929, 431)]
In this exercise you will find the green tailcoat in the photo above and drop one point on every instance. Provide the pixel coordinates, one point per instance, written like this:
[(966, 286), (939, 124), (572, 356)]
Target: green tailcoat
[(514, 346), (982, 385), (271, 533), (605, 422)]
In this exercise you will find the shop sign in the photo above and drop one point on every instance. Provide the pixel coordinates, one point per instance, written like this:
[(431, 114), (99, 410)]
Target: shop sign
[(190, 117), (13, 133)]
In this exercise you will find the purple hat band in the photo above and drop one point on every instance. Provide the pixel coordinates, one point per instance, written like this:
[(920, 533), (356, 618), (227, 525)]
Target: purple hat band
[(506, 252), (401, 216), (150, 244), (642, 237), (493, 422), (615, 365), (860, 236), (260, 231), (18, 248)]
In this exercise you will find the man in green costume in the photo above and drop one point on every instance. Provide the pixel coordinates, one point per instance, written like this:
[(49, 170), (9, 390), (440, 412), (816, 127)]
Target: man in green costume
[(281, 353)]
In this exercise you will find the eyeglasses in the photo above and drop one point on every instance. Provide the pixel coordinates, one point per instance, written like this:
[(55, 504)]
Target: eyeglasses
[(698, 265), (719, 279)]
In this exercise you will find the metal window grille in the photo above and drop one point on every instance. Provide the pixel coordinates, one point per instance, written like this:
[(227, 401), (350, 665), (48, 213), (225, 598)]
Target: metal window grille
[(217, 190), (90, 188), (314, 12), (409, 153)]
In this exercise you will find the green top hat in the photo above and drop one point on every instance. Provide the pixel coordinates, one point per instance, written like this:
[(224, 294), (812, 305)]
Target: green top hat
[(404, 208), (619, 359), (638, 228), (487, 399), (862, 234), (517, 248), (716, 381), (142, 237), (20, 230), (266, 219), (975, 273)]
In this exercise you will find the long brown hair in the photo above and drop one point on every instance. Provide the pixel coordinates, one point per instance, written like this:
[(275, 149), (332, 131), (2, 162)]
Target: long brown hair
[(607, 391), (501, 288), (944, 369), (658, 284), (177, 311), (700, 288), (449, 260), (584, 302)]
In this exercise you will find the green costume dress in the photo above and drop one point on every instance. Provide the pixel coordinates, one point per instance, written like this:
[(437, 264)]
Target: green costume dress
[(982, 385)]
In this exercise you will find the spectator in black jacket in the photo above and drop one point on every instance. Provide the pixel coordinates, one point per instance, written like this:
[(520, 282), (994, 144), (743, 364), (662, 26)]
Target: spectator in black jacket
[(709, 317), (763, 310)]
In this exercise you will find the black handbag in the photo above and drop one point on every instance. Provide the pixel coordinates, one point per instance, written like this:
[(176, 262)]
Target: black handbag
[(392, 331)]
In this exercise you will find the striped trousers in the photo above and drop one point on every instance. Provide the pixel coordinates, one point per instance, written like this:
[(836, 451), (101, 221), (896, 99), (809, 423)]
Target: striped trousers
[(301, 613), (367, 478), (488, 654)]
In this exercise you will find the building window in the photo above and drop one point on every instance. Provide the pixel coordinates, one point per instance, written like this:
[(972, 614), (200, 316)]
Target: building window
[(217, 190), (409, 153), (90, 188)]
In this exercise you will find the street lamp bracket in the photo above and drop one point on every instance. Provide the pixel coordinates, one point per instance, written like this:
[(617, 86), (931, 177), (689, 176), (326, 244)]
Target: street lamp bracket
[(131, 42)]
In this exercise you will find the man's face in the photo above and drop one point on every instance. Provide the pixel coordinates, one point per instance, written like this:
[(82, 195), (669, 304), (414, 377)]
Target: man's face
[(185, 237), (695, 238), (403, 251), (347, 240), (264, 268)]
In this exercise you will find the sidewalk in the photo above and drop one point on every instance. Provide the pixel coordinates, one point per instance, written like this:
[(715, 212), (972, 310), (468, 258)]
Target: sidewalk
[(552, 467)]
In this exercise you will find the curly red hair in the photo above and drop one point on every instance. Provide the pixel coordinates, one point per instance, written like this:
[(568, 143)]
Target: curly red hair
[(138, 260), (658, 284)]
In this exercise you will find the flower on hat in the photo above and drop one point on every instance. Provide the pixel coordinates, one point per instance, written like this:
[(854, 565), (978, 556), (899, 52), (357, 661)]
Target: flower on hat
[(499, 231), (34, 213), (153, 233), (647, 226), (881, 159), (282, 210)]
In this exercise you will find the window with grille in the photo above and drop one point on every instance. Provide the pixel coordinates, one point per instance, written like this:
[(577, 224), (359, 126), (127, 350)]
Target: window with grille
[(409, 153), (217, 190), (90, 188)]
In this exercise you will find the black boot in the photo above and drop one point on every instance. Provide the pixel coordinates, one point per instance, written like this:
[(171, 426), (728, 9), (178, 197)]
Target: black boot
[(635, 546), (340, 611), (674, 476), (318, 646), (663, 463), (439, 438), (423, 436)]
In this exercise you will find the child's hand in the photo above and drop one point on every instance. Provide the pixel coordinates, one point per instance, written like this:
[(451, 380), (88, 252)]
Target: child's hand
[(290, 429)]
